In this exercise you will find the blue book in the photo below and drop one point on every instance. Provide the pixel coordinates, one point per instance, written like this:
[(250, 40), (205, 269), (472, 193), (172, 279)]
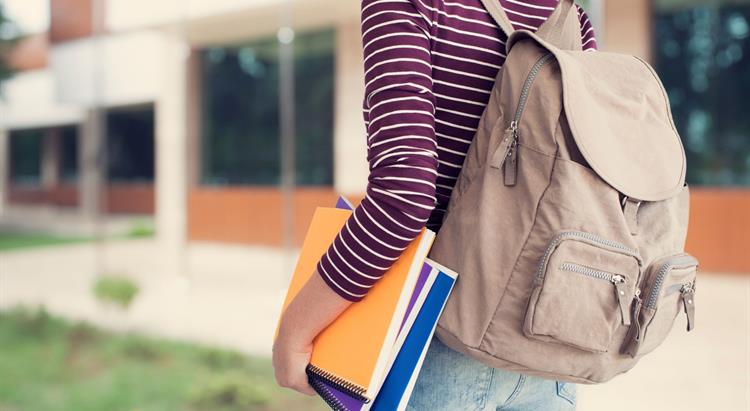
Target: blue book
[(399, 383)]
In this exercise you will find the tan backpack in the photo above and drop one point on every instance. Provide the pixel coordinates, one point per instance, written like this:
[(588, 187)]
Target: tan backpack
[(568, 221)]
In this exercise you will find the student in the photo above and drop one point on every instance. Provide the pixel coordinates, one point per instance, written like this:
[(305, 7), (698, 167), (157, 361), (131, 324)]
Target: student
[(429, 68)]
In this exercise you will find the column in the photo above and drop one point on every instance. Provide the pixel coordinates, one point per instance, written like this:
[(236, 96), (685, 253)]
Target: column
[(349, 141), (628, 27), (90, 163), (171, 155), (51, 158), (4, 169)]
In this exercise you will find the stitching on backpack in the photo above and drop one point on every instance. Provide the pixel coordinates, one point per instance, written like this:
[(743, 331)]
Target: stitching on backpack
[(526, 241)]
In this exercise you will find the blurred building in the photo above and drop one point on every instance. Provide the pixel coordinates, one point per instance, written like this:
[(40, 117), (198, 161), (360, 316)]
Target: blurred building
[(179, 99)]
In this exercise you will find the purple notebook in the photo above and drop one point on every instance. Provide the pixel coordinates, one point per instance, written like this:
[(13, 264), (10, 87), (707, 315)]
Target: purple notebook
[(423, 275)]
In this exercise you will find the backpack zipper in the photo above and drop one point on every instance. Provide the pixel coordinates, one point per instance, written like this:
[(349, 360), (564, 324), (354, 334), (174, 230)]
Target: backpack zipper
[(687, 292), (510, 163), (687, 295), (592, 272), (618, 280), (535, 69), (685, 261), (581, 235)]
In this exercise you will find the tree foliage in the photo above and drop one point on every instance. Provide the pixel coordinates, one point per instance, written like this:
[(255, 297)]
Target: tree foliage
[(6, 43)]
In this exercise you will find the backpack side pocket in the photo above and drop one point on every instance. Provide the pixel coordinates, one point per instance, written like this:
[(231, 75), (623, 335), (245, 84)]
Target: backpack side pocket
[(582, 291), (668, 288)]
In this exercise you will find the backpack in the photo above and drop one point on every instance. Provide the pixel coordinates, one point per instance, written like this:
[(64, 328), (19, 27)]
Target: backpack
[(568, 220)]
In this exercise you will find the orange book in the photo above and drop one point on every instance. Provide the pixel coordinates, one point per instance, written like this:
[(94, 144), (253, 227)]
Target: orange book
[(353, 352)]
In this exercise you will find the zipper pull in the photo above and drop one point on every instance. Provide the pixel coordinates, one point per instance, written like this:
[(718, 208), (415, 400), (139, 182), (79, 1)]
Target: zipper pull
[(633, 341), (510, 168), (688, 302), (621, 292), (501, 154)]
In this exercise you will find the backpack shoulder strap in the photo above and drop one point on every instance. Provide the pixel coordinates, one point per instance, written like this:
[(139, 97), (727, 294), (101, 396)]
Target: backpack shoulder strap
[(562, 28), (498, 14)]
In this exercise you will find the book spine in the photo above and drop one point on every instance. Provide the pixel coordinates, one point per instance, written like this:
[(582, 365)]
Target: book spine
[(325, 393), (343, 385)]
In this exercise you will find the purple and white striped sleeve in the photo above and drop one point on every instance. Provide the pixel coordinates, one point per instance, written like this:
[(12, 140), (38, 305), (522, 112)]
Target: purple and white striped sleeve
[(588, 38), (401, 149)]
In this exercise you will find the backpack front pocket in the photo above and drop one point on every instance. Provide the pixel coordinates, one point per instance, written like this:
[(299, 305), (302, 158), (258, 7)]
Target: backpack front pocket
[(668, 288), (583, 289)]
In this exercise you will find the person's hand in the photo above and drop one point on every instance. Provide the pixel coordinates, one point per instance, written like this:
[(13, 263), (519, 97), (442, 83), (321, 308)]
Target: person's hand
[(314, 307), (290, 359)]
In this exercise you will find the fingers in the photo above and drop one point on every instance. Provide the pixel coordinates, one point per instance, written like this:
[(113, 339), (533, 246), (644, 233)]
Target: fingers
[(291, 374), (289, 367), (296, 383), (307, 390)]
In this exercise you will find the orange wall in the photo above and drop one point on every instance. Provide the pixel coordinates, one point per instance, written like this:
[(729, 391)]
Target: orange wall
[(130, 198), (70, 19), (250, 214), (627, 28), (18, 194), (125, 198), (719, 230), (62, 195), (29, 53)]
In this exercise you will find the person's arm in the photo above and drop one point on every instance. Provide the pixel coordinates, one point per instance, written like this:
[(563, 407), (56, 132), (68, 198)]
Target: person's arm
[(308, 314), (588, 37), (400, 194)]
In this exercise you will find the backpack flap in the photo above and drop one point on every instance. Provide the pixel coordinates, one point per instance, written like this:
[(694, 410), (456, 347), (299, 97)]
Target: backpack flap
[(619, 115)]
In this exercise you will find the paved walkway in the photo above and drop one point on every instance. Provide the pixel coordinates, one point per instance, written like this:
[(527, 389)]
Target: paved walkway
[(231, 295)]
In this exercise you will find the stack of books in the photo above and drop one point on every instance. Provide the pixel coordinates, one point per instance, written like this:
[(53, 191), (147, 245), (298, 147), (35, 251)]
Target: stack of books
[(370, 356)]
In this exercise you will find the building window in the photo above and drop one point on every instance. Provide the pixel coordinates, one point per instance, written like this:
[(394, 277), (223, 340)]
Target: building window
[(130, 144), (240, 113), (702, 53), (26, 156), (69, 154)]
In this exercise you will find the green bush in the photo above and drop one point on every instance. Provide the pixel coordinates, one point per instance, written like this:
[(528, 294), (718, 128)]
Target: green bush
[(35, 322), (218, 359), (141, 229), (82, 333), (116, 290), (231, 392), (143, 349)]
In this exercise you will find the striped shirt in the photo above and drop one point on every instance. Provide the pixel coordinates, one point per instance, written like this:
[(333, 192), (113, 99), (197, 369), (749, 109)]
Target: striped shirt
[(429, 68)]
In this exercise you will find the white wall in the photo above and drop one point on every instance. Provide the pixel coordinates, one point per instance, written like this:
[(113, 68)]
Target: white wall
[(118, 69), (350, 148), (219, 21), (28, 100), (129, 14)]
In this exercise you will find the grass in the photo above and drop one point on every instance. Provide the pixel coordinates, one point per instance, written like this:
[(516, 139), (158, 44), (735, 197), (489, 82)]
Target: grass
[(48, 364), (140, 229), (18, 240), (116, 290), (12, 241)]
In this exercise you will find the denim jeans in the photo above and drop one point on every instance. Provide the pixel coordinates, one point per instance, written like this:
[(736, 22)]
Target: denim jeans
[(451, 381)]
